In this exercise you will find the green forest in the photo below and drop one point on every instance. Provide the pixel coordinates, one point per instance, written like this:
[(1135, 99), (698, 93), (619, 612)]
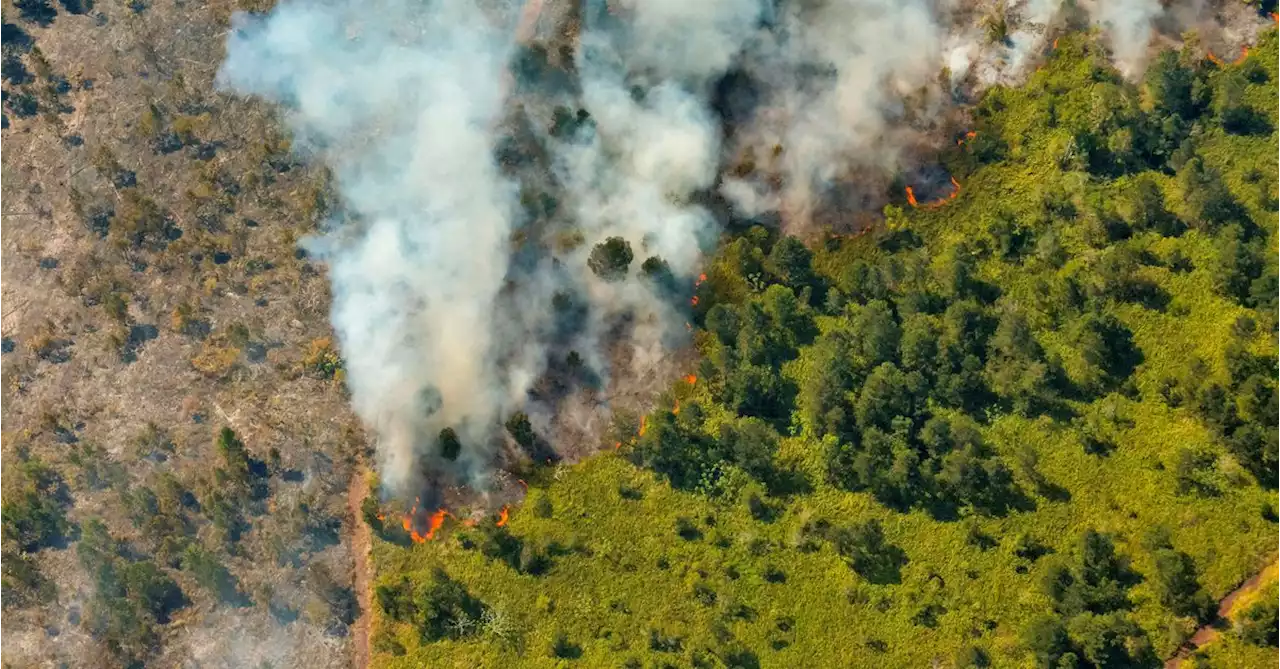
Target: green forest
[(1032, 427)]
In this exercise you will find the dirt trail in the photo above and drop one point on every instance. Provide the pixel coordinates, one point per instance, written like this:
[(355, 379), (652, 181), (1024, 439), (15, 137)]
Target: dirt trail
[(360, 546), (1208, 632)]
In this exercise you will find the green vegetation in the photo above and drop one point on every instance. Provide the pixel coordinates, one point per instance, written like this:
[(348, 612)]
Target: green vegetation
[(131, 596), (1258, 623), (1033, 427)]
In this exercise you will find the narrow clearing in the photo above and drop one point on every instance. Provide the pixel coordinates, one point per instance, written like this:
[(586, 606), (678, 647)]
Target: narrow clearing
[(360, 546), (1209, 631)]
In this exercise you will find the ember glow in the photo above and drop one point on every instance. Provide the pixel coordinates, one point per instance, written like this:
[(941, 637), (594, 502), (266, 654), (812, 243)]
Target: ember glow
[(691, 379)]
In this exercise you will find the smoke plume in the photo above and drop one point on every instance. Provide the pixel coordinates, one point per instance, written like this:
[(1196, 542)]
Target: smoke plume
[(482, 156)]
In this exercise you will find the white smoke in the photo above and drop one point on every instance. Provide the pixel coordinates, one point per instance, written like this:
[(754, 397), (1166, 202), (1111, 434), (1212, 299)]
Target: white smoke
[(452, 300), (402, 103)]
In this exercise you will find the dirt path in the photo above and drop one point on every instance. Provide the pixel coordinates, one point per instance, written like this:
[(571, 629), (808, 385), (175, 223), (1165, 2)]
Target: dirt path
[(360, 544), (1208, 632)]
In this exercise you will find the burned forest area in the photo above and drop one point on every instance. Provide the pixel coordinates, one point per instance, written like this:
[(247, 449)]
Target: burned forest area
[(639, 333)]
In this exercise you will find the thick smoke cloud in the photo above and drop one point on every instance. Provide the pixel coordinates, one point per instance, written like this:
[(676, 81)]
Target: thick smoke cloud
[(476, 177), (402, 101)]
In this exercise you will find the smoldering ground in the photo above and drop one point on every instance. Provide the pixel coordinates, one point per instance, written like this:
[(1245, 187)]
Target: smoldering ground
[(484, 149)]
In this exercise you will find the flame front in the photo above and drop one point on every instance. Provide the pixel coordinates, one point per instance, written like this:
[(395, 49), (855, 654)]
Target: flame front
[(502, 516), (1244, 53), (413, 532), (433, 524), (691, 379), (955, 192)]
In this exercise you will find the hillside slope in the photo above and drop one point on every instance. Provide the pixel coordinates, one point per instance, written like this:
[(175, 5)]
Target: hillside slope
[(1032, 426)]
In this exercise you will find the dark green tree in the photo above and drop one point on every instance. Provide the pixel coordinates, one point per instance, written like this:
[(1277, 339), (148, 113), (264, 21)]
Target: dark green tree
[(869, 553), (1146, 208), (791, 262), (611, 259), (1209, 203), (450, 446), (1170, 84)]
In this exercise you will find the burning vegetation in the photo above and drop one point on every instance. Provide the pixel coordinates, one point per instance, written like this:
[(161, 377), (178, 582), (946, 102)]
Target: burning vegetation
[(565, 237)]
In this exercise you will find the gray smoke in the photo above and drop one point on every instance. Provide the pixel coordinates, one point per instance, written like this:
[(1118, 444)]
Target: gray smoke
[(473, 192)]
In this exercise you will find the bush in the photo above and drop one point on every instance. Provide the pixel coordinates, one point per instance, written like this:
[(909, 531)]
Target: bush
[(34, 507), (131, 597), (322, 359), (212, 575), (441, 608)]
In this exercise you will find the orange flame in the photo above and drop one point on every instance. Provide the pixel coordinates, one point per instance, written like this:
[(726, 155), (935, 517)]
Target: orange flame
[(434, 523), (691, 379), (1055, 43), (1276, 18), (967, 136), (675, 410), (413, 532), (617, 445), (643, 420), (1244, 53), (521, 482), (701, 278), (407, 522), (502, 516), (911, 196)]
